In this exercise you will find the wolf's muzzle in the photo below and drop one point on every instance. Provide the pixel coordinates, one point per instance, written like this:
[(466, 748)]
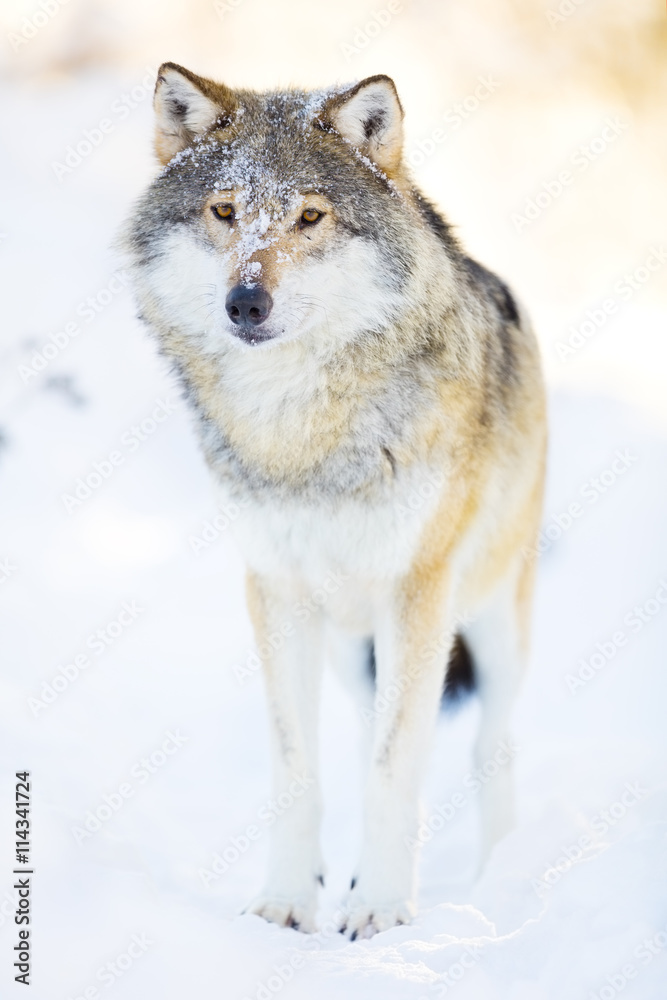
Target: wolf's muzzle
[(248, 308)]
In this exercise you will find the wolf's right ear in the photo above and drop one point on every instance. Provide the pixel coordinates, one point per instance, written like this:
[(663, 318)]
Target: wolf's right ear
[(370, 116), (185, 106)]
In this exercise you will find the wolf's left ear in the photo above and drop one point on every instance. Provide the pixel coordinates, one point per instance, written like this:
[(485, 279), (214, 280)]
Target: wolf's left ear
[(185, 106), (370, 116)]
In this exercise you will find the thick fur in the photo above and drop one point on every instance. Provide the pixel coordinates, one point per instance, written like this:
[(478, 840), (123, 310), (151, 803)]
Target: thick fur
[(391, 367)]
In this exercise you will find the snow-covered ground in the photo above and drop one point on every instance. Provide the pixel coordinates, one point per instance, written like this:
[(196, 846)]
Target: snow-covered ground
[(124, 618)]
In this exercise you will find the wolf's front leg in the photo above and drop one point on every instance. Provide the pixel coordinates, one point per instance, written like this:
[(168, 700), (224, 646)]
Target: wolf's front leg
[(409, 686), (290, 646)]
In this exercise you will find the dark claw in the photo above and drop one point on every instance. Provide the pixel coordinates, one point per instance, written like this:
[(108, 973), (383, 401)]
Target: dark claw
[(353, 936), (342, 929), (294, 924), (320, 879), (353, 883)]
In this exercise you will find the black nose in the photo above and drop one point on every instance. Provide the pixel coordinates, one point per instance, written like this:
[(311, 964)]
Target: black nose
[(248, 306)]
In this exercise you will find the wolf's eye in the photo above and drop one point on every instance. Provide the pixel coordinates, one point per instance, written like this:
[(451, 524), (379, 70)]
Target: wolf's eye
[(223, 212), (310, 216)]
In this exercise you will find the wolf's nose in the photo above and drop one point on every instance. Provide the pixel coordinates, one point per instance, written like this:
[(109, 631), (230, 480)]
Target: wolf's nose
[(248, 306)]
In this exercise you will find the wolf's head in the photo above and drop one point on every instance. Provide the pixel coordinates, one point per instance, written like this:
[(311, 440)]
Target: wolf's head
[(277, 215)]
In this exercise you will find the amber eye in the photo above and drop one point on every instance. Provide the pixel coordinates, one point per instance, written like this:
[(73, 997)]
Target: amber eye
[(223, 211), (310, 216)]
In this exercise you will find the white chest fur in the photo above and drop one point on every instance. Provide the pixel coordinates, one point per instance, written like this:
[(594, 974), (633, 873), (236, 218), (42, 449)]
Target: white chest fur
[(366, 540)]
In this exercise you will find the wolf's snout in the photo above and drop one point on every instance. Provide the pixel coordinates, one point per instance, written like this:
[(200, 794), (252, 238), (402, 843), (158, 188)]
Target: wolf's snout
[(248, 306)]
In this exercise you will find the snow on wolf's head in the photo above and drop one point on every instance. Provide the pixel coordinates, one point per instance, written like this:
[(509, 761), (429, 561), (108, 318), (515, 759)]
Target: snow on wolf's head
[(277, 215)]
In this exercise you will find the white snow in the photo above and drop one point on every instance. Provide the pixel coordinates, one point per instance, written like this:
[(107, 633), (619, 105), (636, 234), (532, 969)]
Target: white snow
[(549, 919)]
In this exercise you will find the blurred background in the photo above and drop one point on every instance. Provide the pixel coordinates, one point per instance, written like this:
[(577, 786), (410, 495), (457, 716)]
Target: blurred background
[(538, 127)]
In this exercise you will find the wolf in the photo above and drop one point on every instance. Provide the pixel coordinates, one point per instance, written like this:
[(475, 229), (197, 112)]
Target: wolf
[(371, 399)]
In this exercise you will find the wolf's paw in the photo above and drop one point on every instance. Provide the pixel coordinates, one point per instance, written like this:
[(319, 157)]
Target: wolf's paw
[(364, 919), (298, 913)]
